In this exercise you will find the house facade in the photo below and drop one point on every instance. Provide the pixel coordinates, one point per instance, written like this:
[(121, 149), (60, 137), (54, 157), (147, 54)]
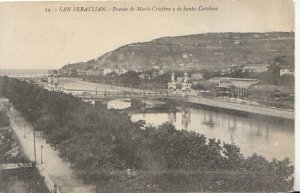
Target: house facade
[(285, 71), (232, 87)]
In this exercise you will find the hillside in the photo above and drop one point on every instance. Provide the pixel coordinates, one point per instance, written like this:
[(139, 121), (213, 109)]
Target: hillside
[(209, 51)]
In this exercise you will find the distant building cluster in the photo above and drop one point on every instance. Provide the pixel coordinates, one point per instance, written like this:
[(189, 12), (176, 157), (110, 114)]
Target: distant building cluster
[(53, 82), (149, 75), (117, 71)]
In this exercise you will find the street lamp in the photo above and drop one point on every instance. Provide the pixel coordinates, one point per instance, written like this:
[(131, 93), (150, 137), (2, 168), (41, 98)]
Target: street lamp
[(34, 148), (24, 131), (41, 154)]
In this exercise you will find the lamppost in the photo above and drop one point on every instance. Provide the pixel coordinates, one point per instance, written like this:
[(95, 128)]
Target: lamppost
[(24, 131), (41, 154), (34, 145)]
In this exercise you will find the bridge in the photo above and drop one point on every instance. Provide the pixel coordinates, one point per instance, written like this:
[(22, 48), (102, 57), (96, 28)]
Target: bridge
[(102, 95), (215, 103)]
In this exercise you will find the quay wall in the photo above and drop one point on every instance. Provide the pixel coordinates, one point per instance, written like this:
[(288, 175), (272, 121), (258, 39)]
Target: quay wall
[(260, 110)]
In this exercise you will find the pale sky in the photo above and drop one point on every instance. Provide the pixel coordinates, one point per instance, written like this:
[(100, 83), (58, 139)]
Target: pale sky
[(33, 38)]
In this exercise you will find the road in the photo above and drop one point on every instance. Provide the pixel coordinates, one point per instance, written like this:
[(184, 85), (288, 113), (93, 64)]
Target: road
[(78, 84), (54, 168)]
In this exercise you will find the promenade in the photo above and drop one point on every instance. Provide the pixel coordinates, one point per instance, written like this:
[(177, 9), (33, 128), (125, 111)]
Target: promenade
[(54, 168)]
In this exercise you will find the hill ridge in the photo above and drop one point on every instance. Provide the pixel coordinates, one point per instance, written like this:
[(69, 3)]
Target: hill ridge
[(206, 50)]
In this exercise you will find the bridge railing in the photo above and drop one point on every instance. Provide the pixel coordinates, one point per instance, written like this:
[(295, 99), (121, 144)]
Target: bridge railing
[(99, 94), (125, 94)]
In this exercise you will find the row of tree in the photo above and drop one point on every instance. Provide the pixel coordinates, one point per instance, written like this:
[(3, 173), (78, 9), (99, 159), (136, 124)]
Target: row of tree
[(4, 120), (102, 144)]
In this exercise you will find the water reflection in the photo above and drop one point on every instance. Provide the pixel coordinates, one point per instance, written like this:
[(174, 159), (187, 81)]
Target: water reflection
[(171, 117), (119, 104), (272, 139), (186, 117), (208, 120)]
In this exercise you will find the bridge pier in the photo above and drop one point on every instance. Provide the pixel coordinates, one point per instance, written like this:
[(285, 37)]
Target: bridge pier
[(137, 104), (171, 104), (101, 103)]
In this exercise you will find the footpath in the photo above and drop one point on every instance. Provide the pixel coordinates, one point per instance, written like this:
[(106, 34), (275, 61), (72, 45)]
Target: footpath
[(55, 169)]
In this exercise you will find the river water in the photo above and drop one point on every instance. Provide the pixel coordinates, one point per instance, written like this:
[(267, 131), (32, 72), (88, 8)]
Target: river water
[(29, 73), (270, 138)]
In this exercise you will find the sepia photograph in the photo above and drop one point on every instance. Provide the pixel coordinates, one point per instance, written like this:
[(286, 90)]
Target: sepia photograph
[(147, 96)]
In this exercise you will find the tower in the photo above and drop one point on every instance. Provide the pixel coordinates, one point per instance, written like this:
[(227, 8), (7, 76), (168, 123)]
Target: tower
[(186, 77), (173, 77)]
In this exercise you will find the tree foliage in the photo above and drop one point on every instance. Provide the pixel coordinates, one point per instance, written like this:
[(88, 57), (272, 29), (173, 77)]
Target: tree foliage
[(101, 144)]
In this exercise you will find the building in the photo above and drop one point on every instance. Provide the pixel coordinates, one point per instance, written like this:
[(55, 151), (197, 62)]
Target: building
[(145, 76), (255, 68), (186, 86), (187, 59), (81, 72), (183, 82), (197, 76), (120, 71), (285, 71), (53, 82), (154, 74), (161, 72), (107, 71), (93, 72), (137, 70), (156, 67), (232, 87), (172, 85)]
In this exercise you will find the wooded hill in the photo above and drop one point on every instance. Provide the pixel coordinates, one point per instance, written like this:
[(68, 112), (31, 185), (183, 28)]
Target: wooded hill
[(204, 51)]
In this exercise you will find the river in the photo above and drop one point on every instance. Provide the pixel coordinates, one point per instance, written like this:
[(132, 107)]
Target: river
[(271, 138)]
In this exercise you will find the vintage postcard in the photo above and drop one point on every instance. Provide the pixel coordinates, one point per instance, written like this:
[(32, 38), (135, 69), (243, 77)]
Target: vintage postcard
[(147, 96)]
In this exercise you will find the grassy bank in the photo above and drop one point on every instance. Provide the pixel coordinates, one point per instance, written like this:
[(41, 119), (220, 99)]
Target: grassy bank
[(106, 148)]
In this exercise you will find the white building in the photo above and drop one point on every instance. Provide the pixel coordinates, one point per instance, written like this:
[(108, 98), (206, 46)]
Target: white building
[(172, 83), (144, 76), (118, 71), (107, 71), (285, 71), (183, 81), (255, 68), (121, 71), (156, 67), (185, 85), (53, 82)]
